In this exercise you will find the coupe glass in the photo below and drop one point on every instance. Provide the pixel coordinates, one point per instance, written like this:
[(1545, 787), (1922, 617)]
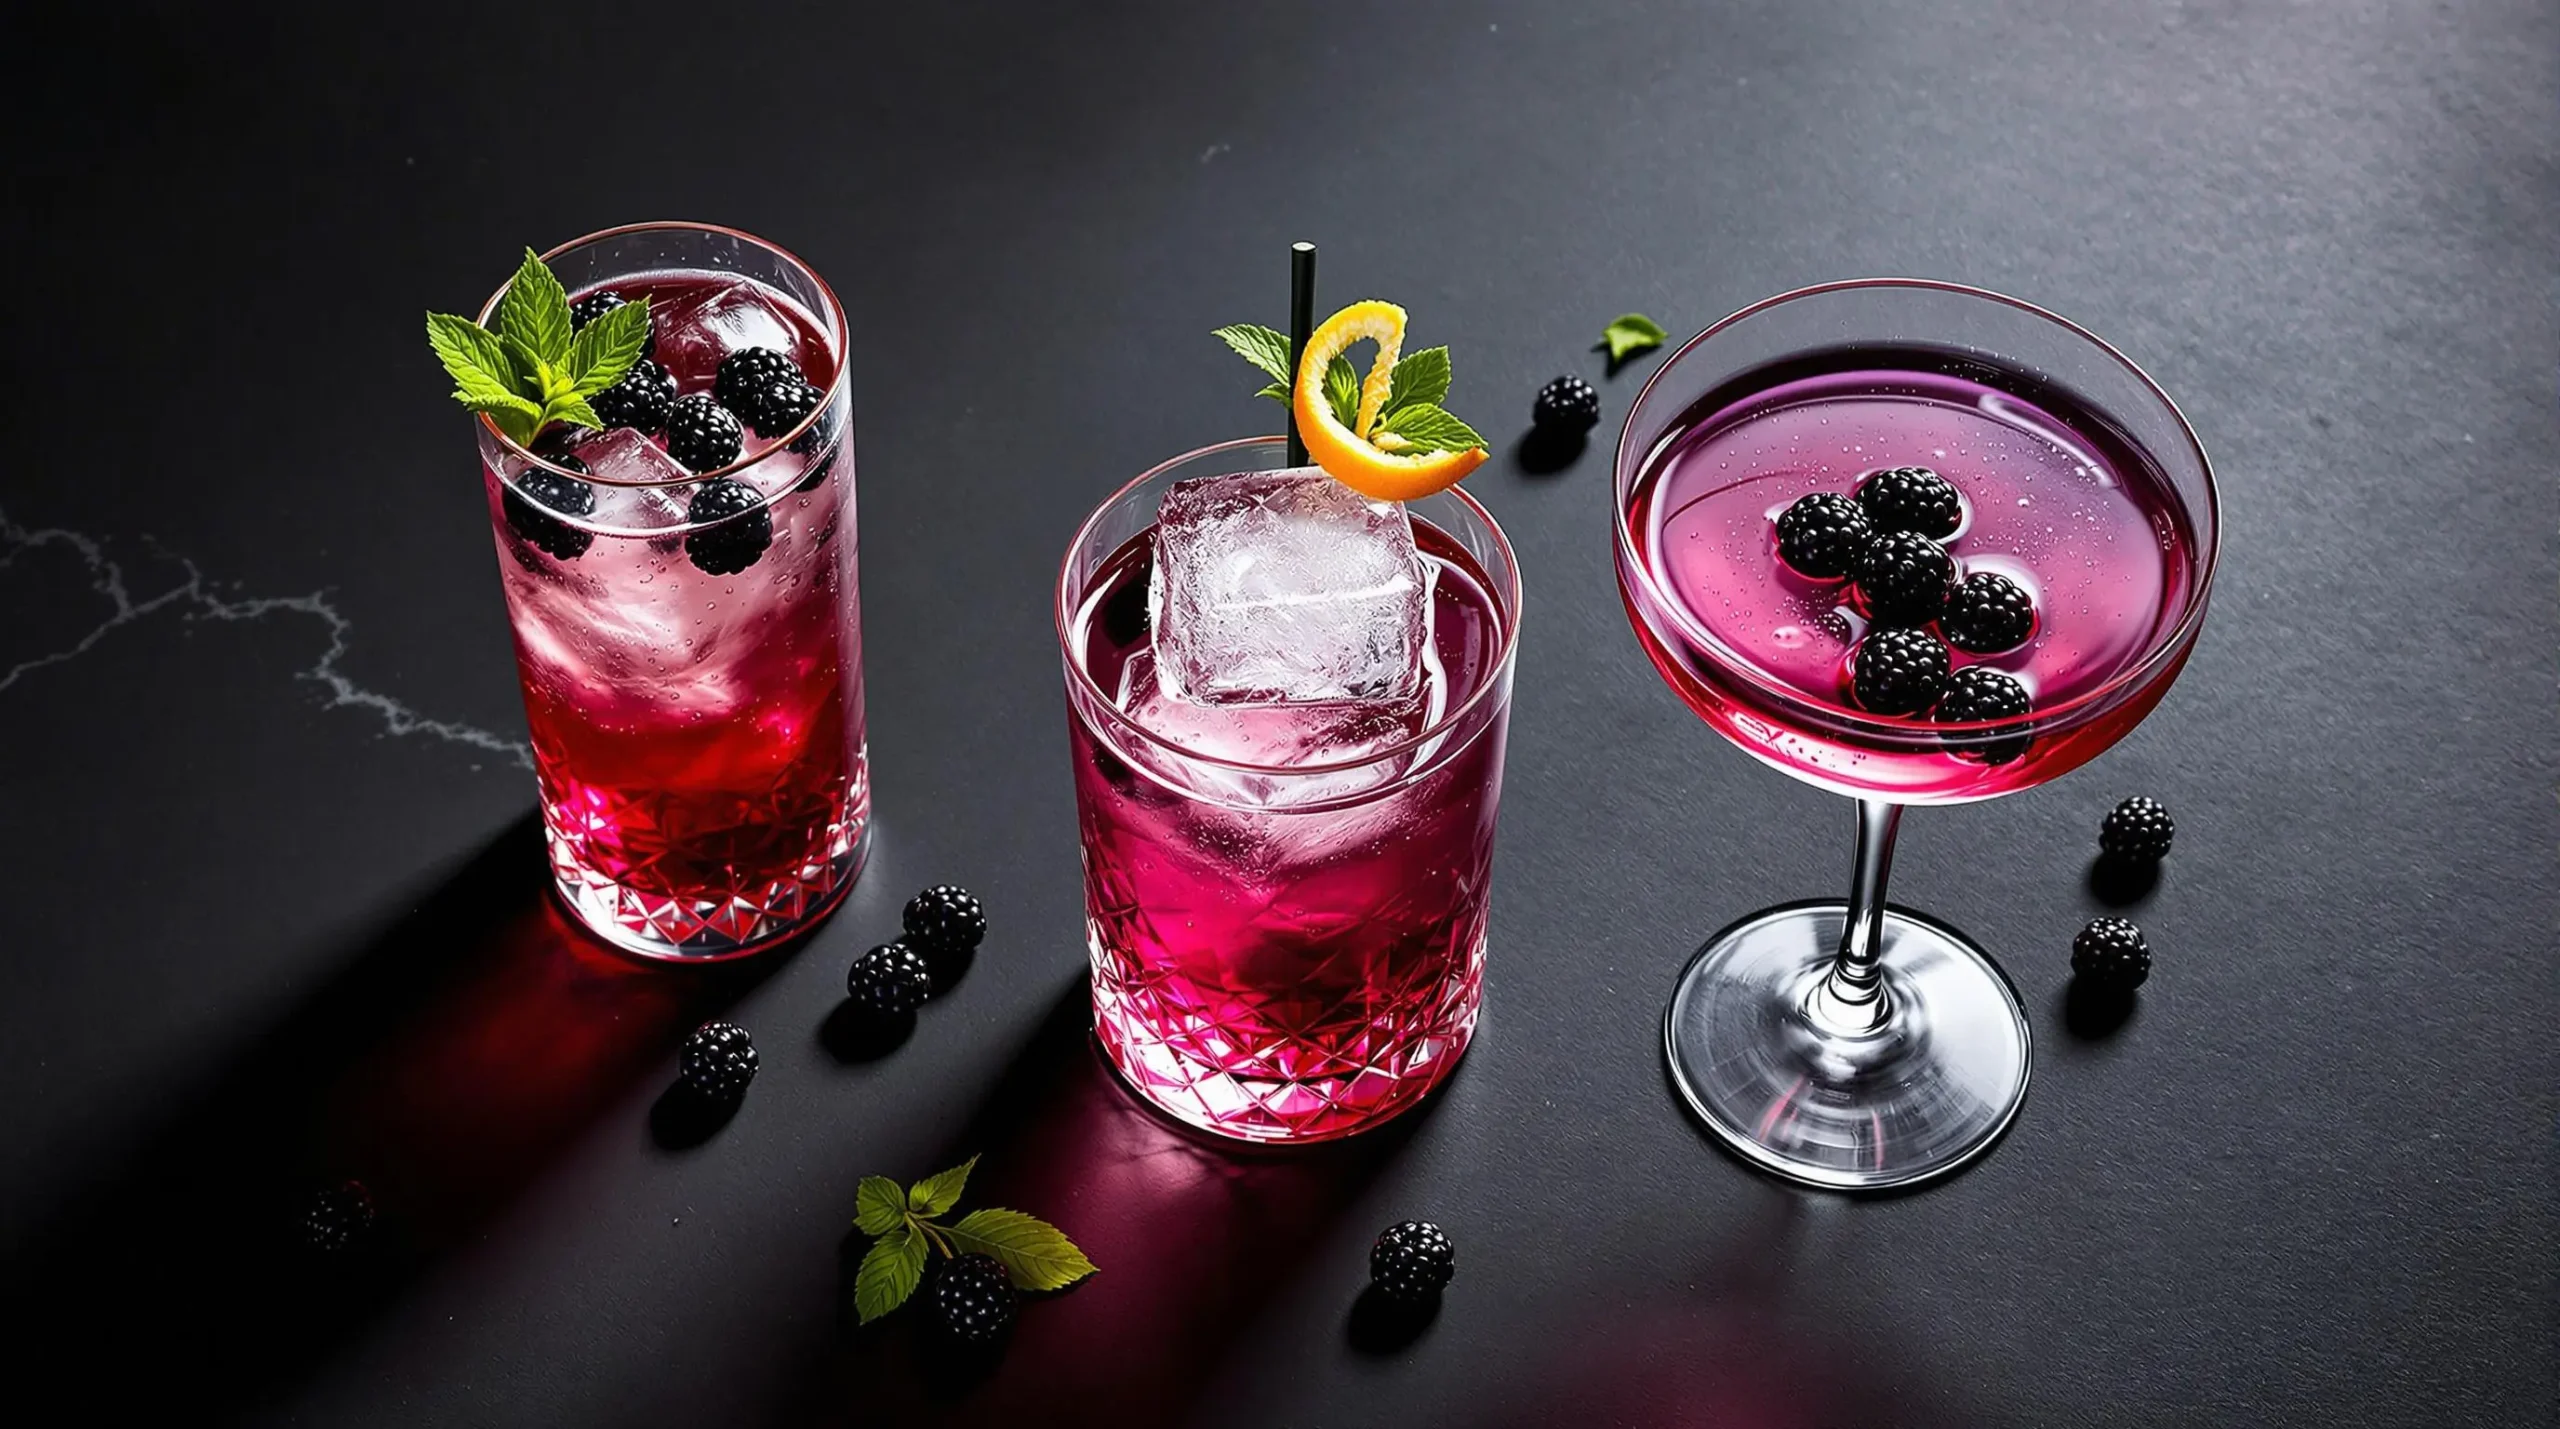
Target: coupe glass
[(1846, 1044)]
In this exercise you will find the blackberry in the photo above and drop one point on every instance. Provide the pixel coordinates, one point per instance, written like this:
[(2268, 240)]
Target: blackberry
[(1567, 404), (2137, 831), (1822, 534), (891, 980), (737, 527), (1978, 692), (1898, 671), (973, 1299), (945, 916), (600, 302), (1904, 578), (1914, 499), (640, 401), (702, 435), (536, 492), (1412, 1261), (717, 1061), (2111, 954), (337, 1218), (1987, 613), (766, 389)]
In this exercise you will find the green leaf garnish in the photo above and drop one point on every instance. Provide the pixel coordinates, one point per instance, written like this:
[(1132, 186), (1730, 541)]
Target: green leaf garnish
[(939, 1192), (1342, 391), (1266, 348), (533, 371), (907, 1224), (1420, 379), (1035, 1253), (1632, 332), (1424, 427), (889, 1273)]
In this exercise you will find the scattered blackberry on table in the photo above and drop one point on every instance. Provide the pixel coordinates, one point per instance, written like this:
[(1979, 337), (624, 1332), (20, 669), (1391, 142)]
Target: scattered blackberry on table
[(1987, 613), (1978, 692), (2111, 954), (1412, 1261), (743, 532), (1567, 404), (945, 916), (1914, 499), (1898, 671), (766, 389), (337, 1218), (1822, 534), (973, 1300), (702, 435), (891, 980), (640, 401), (600, 302), (536, 493), (1904, 577), (2137, 831), (717, 1060)]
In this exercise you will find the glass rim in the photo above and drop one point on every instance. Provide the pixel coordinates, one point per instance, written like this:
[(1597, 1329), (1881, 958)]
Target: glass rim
[(1067, 601), (831, 311), (2162, 654)]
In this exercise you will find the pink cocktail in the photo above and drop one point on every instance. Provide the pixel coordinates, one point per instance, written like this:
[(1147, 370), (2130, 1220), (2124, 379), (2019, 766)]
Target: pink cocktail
[(1916, 544), (1286, 907), (689, 640)]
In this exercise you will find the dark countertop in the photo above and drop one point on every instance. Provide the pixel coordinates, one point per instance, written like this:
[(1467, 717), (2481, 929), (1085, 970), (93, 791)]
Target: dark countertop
[(279, 907)]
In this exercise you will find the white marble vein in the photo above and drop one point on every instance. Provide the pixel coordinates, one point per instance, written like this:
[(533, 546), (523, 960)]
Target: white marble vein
[(195, 599)]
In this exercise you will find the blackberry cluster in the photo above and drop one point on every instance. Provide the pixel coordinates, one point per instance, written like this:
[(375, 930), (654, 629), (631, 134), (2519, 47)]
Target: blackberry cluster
[(891, 980), (766, 389), (945, 917), (640, 401), (702, 435), (337, 1218), (1567, 405), (2137, 831), (1412, 1261), (2111, 954), (736, 525), (717, 1061), (1886, 542)]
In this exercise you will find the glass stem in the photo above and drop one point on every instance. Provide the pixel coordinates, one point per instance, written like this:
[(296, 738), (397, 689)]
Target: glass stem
[(1851, 1000)]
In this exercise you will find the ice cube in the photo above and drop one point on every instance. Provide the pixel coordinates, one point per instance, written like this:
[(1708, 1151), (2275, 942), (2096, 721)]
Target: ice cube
[(1285, 588), (1277, 737), (698, 327), (623, 455)]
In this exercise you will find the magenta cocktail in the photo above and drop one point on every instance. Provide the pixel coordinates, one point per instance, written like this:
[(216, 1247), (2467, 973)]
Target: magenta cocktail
[(1286, 906), (1913, 543), (683, 591)]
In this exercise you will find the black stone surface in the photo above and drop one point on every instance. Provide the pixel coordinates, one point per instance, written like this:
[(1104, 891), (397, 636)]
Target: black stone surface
[(276, 909)]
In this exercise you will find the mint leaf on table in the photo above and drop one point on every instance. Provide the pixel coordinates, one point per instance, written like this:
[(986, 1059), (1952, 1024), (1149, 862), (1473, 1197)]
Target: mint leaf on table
[(906, 1223), (1424, 427), (1631, 332), (1420, 379), (1035, 1253), (533, 371), (939, 1192), (889, 1273)]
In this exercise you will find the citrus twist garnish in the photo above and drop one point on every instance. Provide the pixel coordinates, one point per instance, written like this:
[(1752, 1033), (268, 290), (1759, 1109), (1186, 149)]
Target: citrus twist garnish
[(1370, 456)]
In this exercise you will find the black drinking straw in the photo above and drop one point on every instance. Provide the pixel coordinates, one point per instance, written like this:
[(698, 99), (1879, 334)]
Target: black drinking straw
[(1302, 325)]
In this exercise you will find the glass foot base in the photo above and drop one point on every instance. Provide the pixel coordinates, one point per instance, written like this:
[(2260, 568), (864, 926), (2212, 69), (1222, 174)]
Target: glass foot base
[(712, 926), (1915, 1099)]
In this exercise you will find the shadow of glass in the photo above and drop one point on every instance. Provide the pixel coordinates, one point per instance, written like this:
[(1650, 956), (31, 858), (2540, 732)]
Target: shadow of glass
[(442, 1066)]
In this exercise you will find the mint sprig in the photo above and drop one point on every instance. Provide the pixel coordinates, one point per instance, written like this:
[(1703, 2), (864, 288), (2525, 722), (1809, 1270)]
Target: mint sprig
[(1631, 332), (1411, 421), (907, 1224), (534, 369)]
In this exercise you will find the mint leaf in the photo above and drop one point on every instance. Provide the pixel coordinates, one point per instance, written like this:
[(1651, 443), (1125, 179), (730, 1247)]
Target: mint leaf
[(1342, 389), (572, 409), (535, 310), (879, 1207), (939, 1192), (515, 416), (1275, 391), (604, 350), (1263, 347), (1632, 332), (476, 360), (1425, 427), (889, 1273), (1035, 1253), (1420, 379)]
